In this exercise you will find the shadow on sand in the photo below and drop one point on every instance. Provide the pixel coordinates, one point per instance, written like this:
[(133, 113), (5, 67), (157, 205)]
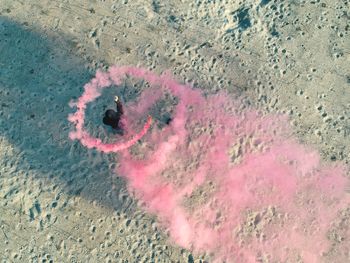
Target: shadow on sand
[(38, 77)]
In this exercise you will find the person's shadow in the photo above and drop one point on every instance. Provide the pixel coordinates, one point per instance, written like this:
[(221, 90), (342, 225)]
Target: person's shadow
[(38, 77)]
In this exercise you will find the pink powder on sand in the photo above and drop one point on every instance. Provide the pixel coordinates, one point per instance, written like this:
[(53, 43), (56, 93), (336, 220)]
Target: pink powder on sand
[(230, 183)]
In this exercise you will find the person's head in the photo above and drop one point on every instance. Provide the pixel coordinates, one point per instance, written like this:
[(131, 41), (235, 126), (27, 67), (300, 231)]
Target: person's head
[(111, 118), (111, 115)]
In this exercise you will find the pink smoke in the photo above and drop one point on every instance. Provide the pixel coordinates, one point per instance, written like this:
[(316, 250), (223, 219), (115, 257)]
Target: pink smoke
[(260, 193)]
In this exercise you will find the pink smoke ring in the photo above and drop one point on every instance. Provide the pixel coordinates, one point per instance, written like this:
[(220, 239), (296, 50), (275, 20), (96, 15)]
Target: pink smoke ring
[(92, 90), (114, 75)]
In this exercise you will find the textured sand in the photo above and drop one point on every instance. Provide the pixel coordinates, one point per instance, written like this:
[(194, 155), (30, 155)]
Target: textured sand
[(61, 202)]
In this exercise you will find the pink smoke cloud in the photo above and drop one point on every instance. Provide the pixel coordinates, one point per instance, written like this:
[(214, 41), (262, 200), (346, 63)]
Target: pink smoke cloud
[(232, 183)]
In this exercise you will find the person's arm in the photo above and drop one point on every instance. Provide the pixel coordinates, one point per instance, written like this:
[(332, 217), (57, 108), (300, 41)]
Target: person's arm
[(119, 105)]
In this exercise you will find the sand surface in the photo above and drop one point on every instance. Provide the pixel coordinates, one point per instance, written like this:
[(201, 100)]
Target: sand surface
[(60, 202)]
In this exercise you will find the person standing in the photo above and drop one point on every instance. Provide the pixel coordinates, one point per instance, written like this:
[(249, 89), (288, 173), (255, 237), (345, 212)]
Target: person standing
[(112, 117)]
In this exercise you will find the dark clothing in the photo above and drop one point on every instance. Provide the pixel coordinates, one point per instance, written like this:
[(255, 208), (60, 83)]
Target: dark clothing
[(112, 117)]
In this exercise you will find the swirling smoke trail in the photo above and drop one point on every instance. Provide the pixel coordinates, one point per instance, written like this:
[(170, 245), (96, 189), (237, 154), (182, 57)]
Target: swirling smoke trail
[(232, 183)]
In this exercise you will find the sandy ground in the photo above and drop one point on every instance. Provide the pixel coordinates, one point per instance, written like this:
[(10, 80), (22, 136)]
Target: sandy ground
[(60, 202)]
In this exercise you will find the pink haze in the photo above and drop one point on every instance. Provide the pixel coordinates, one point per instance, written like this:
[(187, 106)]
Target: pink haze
[(247, 163)]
